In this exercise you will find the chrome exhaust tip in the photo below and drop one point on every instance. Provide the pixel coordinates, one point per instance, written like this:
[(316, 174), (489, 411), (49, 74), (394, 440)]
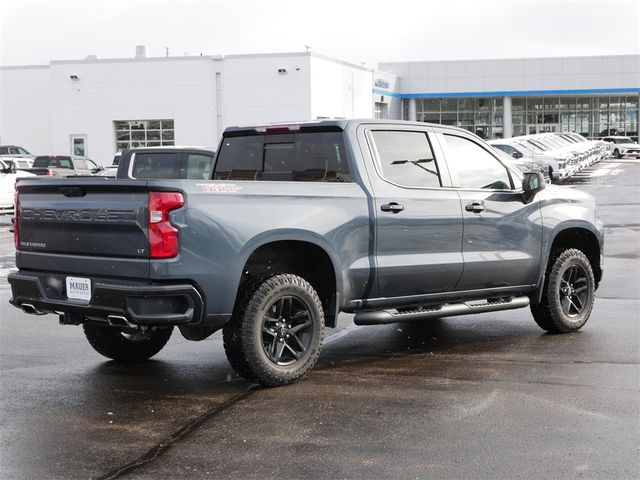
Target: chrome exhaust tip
[(30, 309), (120, 321)]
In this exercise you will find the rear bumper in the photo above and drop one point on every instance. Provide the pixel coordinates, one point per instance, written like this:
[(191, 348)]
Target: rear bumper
[(114, 302)]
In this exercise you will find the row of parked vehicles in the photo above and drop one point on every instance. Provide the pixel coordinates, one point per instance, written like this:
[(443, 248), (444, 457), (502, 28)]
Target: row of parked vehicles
[(559, 155)]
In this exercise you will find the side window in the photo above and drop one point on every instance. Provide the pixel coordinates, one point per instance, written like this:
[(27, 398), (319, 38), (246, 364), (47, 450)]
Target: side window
[(64, 162), (406, 158), (80, 164), (22, 151), (506, 149), (156, 165), (199, 166), (91, 165), (14, 151), (474, 166)]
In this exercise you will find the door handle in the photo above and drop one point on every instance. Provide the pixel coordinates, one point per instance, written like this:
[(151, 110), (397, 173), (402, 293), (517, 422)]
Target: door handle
[(475, 207), (392, 207)]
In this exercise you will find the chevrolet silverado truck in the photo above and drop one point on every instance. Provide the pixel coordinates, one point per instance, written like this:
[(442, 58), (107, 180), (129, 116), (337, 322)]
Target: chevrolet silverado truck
[(391, 221)]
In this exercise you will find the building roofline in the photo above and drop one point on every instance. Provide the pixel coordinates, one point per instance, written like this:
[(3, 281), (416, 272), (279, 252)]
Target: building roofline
[(467, 60), (508, 93)]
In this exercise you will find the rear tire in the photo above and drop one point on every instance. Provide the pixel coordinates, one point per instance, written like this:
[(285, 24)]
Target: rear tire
[(277, 330), (569, 292), (126, 347)]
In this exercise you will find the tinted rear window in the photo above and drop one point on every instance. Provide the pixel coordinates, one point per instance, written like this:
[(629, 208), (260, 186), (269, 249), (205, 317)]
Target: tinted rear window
[(156, 165), (55, 162), (300, 157)]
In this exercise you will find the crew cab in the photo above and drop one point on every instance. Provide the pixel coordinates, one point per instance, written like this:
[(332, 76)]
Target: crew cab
[(391, 221)]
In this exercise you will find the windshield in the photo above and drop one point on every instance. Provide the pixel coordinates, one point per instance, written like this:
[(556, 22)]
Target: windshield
[(527, 149), (537, 146)]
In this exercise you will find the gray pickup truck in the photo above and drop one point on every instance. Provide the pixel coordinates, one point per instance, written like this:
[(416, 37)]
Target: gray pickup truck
[(392, 221)]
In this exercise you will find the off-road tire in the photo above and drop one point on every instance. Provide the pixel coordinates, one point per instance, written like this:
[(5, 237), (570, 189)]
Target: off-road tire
[(549, 313), (126, 347), (243, 335)]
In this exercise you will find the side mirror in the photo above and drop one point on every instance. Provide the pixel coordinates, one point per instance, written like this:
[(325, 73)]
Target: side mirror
[(532, 183), (517, 154)]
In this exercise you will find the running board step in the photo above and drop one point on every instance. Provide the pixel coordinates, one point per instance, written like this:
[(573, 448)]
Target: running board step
[(382, 317)]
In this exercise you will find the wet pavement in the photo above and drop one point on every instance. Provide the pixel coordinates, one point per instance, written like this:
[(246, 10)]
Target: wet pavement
[(485, 396)]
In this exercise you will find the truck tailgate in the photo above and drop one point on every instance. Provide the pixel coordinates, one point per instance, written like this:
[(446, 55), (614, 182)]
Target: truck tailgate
[(84, 217)]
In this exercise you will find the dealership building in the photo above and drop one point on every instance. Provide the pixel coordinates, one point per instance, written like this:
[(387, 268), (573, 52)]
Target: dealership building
[(96, 107)]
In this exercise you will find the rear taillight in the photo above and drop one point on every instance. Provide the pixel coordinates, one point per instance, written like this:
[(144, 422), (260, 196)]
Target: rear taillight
[(48, 172), (16, 218), (163, 236)]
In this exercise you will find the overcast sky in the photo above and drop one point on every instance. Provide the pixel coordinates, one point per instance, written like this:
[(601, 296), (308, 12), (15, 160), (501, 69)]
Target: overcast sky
[(359, 31)]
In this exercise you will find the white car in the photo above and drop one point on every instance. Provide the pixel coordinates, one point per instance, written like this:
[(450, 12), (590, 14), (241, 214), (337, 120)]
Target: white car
[(556, 164), (623, 147), (8, 176)]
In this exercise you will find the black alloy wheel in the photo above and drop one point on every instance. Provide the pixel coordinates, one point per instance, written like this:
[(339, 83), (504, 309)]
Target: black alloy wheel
[(574, 291), (568, 293), (287, 330), (277, 329)]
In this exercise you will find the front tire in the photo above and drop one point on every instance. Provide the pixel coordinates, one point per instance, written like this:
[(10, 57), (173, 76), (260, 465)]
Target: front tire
[(126, 347), (277, 330), (569, 292), (616, 153)]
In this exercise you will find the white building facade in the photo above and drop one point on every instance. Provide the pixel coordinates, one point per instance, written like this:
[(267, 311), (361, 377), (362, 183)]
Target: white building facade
[(96, 107)]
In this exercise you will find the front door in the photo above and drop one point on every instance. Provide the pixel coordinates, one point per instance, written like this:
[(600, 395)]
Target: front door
[(418, 215), (502, 238)]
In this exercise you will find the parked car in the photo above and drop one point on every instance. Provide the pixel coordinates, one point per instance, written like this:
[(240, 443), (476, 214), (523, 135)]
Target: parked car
[(391, 221), (19, 163), (63, 165), (8, 178), (623, 147), (14, 151)]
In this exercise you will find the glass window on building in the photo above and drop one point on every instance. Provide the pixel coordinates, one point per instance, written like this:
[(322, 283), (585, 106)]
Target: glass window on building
[(143, 133), (482, 116)]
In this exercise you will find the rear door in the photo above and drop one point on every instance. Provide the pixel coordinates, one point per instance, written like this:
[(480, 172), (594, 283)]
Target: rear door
[(418, 217), (502, 235)]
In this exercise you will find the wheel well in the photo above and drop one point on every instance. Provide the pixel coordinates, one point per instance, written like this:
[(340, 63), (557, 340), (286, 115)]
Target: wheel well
[(304, 259), (586, 242)]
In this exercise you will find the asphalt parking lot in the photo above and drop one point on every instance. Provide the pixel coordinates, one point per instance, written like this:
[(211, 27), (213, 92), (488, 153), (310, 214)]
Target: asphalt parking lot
[(485, 396)]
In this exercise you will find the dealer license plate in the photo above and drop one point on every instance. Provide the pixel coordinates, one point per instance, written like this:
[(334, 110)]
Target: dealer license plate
[(79, 288)]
